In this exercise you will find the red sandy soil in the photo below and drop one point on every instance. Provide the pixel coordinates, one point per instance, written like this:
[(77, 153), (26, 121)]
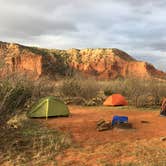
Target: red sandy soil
[(82, 127), (82, 124)]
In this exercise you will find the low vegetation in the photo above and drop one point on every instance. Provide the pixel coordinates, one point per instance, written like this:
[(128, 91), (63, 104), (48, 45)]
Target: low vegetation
[(14, 94), (124, 153), (78, 90), (78, 87), (23, 141), (31, 144), (139, 93)]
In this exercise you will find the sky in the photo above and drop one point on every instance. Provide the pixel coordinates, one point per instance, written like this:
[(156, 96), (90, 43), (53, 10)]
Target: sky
[(137, 27)]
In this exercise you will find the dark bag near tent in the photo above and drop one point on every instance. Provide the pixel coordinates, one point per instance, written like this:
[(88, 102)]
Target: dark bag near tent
[(119, 119), (163, 108)]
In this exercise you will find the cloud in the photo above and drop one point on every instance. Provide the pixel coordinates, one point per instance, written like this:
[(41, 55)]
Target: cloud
[(137, 27)]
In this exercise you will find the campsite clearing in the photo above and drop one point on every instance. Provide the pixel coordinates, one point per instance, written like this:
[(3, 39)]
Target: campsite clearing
[(140, 145)]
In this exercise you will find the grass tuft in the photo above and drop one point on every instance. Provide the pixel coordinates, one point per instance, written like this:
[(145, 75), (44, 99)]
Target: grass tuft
[(31, 144)]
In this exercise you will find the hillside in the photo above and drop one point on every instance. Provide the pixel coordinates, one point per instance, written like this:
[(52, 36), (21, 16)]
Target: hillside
[(101, 63)]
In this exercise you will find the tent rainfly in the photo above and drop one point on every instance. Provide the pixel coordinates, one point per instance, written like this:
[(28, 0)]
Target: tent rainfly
[(48, 107), (115, 100)]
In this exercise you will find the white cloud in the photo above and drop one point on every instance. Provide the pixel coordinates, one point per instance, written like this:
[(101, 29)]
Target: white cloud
[(137, 27)]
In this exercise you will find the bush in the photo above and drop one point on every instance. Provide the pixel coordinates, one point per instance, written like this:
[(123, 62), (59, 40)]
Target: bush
[(43, 87), (13, 96), (89, 88), (71, 87), (108, 92), (94, 101), (74, 87), (22, 141), (17, 91), (139, 92), (14, 99), (114, 86)]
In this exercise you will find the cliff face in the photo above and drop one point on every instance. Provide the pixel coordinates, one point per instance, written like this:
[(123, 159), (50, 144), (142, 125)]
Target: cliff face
[(16, 59), (19, 59), (110, 63), (101, 63)]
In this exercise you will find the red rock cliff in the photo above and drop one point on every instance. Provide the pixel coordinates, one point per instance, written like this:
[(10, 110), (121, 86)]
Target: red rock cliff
[(110, 63), (16, 59), (101, 63)]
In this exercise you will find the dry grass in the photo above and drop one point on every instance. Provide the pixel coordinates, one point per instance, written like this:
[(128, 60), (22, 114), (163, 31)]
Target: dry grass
[(24, 142), (79, 87), (140, 93), (31, 144), (138, 153)]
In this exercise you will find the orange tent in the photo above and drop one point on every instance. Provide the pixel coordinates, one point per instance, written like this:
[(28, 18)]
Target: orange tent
[(115, 100)]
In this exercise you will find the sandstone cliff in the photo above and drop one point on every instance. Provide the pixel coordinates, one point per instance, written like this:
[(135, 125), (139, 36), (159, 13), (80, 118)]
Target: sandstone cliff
[(14, 58), (34, 62), (101, 63)]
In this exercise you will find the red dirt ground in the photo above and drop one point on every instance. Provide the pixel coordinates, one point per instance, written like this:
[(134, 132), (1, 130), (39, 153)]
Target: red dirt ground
[(94, 145), (82, 124)]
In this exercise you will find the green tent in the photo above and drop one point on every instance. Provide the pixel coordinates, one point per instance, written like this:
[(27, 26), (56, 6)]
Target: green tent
[(47, 107)]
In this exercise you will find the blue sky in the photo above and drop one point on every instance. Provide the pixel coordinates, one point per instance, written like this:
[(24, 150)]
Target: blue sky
[(137, 27)]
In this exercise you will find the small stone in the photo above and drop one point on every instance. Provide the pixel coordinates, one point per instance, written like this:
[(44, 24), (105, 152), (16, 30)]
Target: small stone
[(144, 121), (163, 139)]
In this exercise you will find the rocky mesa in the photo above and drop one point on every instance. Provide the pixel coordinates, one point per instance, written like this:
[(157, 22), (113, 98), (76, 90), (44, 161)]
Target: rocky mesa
[(100, 63)]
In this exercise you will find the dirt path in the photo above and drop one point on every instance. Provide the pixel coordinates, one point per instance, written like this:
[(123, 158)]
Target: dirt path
[(82, 125)]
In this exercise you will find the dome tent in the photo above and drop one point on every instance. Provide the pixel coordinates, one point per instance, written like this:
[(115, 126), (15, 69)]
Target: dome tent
[(48, 107), (115, 100)]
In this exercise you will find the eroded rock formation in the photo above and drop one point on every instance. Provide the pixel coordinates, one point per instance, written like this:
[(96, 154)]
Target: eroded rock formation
[(101, 63), (110, 63), (15, 59)]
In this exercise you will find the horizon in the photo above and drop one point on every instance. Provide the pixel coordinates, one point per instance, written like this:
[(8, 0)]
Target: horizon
[(138, 28)]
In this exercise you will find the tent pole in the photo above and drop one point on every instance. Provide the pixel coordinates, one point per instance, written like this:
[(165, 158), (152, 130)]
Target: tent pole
[(47, 110)]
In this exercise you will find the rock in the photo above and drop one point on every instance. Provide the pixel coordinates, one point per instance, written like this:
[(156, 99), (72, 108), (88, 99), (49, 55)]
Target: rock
[(144, 121), (163, 139)]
